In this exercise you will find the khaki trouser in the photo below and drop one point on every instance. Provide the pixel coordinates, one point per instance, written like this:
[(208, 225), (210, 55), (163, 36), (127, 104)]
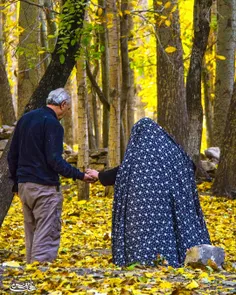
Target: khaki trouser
[(42, 205)]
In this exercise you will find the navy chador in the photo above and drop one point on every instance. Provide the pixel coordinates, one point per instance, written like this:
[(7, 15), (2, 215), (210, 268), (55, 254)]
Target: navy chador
[(156, 210)]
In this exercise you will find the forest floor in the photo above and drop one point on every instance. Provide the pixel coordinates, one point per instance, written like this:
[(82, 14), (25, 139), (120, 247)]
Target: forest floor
[(84, 262)]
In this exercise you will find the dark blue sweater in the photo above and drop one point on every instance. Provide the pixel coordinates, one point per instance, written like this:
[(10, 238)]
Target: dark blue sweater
[(36, 150)]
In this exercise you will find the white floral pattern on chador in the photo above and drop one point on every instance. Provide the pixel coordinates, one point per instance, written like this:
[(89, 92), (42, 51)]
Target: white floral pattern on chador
[(156, 209)]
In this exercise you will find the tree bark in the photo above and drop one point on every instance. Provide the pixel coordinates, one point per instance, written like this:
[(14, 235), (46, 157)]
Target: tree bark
[(28, 57), (105, 72), (125, 73), (68, 119), (225, 181), (114, 89), (193, 87), (7, 114), (171, 96), (208, 104), (225, 47), (83, 157), (55, 76)]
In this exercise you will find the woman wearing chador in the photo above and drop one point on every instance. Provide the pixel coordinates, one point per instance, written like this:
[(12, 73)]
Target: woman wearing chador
[(156, 210)]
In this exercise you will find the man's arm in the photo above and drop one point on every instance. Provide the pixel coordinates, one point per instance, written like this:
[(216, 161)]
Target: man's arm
[(53, 149)]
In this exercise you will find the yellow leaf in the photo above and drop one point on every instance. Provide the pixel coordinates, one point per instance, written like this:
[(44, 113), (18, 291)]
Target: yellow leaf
[(168, 23), (204, 275), (167, 5), (127, 12), (163, 17), (100, 11), (170, 49), (159, 2), (165, 285), (120, 12), (192, 285), (82, 202), (148, 275), (11, 264), (173, 9), (221, 57)]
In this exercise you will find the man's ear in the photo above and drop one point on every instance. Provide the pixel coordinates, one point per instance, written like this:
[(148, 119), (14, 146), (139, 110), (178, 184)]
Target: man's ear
[(63, 103)]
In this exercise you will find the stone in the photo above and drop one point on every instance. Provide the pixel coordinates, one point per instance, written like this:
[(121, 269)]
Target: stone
[(72, 158), (98, 167), (203, 255), (213, 153), (208, 166), (98, 152), (3, 144), (67, 149), (5, 135), (7, 128)]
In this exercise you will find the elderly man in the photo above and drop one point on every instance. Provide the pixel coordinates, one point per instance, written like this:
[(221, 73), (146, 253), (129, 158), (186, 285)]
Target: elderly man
[(35, 162)]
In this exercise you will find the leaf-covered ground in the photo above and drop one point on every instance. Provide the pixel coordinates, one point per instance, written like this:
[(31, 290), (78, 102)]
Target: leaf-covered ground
[(84, 262)]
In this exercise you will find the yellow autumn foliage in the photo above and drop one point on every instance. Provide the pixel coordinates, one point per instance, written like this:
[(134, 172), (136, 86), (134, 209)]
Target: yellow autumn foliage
[(84, 263)]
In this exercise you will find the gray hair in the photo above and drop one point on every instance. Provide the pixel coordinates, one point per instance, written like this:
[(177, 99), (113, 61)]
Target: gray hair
[(57, 96)]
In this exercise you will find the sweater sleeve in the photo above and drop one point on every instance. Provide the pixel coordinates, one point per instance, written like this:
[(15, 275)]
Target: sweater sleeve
[(108, 177), (54, 133)]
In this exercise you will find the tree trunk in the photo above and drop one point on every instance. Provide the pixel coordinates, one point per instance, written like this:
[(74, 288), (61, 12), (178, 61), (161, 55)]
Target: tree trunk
[(28, 58), (68, 119), (105, 73), (126, 74), (114, 91), (83, 157), (55, 76), (171, 98), (208, 106), (225, 181), (225, 48), (7, 114), (92, 140), (193, 87)]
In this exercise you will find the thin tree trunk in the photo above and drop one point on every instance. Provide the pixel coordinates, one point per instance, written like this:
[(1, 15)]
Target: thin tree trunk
[(131, 104), (208, 106), (105, 73), (55, 76), (92, 140), (225, 47), (96, 119), (193, 87), (126, 74), (7, 114), (114, 91), (68, 119), (225, 181), (171, 97), (29, 42), (83, 157)]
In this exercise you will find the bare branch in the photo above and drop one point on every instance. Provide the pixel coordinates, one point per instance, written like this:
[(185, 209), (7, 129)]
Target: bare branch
[(99, 92)]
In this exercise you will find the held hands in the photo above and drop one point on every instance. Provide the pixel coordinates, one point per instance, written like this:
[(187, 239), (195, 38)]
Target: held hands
[(92, 173), (88, 178)]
